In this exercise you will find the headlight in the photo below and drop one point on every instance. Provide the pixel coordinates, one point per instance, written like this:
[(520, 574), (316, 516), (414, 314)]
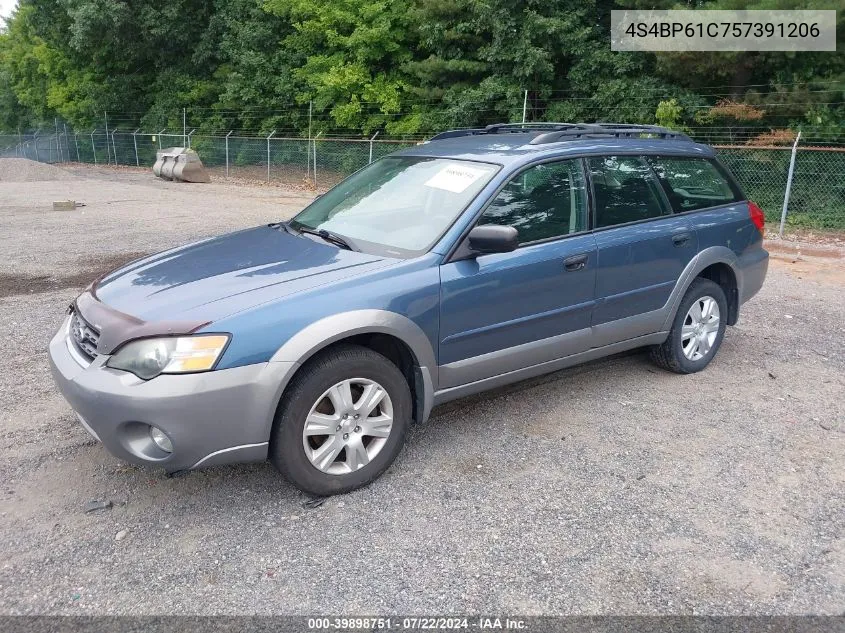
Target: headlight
[(147, 358)]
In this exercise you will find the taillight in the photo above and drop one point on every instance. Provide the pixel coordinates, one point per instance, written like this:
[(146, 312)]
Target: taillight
[(757, 216)]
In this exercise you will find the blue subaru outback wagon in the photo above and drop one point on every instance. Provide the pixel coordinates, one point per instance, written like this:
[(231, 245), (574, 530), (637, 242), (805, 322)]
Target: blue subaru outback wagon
[(483, 257)]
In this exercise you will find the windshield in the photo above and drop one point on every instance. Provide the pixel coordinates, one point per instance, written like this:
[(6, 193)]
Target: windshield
[(397, 206)]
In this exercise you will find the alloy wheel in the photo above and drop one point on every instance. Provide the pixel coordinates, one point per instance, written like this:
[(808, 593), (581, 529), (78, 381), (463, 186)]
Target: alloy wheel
[(348, 426), (700, 328)]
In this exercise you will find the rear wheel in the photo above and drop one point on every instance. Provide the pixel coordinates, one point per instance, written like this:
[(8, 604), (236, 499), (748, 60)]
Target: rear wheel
[(697, 331), (342, 421)]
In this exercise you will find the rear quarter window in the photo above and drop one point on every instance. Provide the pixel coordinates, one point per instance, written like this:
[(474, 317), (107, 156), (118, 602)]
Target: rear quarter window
[(692, 183)]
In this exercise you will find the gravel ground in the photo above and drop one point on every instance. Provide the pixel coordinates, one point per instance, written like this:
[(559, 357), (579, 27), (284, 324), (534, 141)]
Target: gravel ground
[(609, 488), (24, 170)]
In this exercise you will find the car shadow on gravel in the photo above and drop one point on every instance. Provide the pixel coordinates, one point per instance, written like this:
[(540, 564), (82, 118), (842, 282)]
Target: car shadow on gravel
[(90, 269), (265, 483)]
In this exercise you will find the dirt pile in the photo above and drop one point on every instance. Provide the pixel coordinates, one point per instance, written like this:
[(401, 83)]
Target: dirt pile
[(25, 170)]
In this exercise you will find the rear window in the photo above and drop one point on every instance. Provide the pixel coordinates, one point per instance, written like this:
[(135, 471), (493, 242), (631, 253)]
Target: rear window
[(692, 183)]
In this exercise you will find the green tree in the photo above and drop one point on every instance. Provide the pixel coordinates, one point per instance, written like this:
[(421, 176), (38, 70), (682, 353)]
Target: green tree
[(401, 66), (351, 53)]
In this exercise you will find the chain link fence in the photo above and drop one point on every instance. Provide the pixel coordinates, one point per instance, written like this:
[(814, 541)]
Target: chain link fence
[(817, 197), (295, 162)]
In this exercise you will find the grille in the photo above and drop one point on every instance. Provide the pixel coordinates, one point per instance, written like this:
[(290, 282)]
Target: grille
[(84, 337)]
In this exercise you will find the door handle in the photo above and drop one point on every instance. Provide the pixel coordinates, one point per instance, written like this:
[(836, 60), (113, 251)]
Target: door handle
[(679, 239), (576, 262)]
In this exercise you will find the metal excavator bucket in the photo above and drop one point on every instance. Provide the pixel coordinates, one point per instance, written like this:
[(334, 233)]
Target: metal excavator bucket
[(180, 164)]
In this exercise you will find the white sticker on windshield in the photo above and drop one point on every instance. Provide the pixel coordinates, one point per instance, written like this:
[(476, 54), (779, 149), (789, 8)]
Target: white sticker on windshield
[(455, 178)]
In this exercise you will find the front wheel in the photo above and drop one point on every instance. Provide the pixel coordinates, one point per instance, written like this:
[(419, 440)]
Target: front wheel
[(342, 421), (697, 331)]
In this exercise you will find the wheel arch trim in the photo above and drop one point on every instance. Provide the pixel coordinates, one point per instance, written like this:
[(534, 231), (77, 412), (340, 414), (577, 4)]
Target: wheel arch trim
[(331, 329), (707, 257)]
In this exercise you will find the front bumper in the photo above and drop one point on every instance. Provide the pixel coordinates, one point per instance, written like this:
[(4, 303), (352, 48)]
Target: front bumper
[(211, 418)]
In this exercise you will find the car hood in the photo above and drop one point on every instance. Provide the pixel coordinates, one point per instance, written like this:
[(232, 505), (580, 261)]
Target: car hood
[(216, 277)]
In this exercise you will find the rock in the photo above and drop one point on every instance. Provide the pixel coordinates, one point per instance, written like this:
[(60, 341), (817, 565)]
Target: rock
[(314, 502), (121, 535), (95, 504)]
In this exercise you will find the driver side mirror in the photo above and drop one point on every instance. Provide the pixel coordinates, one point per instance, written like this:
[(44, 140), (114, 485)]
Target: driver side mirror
[(493, 238)]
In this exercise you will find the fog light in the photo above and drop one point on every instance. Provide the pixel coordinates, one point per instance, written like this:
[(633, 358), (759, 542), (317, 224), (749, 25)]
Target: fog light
[(161, 440)]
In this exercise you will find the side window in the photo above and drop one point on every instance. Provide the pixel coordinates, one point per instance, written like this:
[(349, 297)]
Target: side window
[(626, 190), (544, 201), (692, 183)]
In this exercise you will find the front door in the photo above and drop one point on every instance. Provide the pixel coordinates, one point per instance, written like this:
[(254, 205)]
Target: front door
[(505, 311)]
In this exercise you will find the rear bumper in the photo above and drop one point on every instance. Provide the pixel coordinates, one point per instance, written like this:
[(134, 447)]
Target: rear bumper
[(211, 418), (752, 268)]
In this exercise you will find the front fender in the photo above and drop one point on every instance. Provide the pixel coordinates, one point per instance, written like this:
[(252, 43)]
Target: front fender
[(320, 334)]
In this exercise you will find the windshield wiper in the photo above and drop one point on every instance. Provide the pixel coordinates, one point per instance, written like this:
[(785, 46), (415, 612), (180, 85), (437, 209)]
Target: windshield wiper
[(334, 238)]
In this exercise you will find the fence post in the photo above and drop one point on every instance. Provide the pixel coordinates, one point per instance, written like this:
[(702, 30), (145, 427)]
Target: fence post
[(189, 137), (93, 147), (268, 154), (35, 142), (159, 137), (227, 152), (315, 158), (184, 125), (789, 183), (135, 143), (524, 106), (58, 141), (371, 145), (113, 146), (108, 151), (308, 145), (76, 145)]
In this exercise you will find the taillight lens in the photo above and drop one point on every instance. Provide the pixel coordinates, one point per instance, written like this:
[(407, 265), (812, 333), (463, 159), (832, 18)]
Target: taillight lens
[(757, 216)]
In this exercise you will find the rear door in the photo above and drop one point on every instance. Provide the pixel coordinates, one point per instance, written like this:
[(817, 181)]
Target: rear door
[(642, 248), (501, 312)]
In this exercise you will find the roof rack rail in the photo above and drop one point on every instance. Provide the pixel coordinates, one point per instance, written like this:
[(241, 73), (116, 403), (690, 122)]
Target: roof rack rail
[(555, 132), (616, 130), (502, 128)]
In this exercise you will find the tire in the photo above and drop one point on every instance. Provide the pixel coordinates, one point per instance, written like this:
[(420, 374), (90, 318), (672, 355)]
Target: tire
[(307, 460), (679, 354)]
